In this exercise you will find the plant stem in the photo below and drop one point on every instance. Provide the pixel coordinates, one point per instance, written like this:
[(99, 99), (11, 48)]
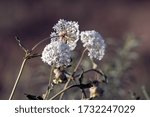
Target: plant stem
[(49, 84), (78, 64), (80, 60), (40, 42), (99, 72), (145, 93), (28, 55), (62, 91), (65, 88), (18, 78), (51, 74)]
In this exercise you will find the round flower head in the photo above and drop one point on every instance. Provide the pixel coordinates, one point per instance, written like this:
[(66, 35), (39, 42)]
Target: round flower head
[(66, 31), (93, 41), (57, 53)]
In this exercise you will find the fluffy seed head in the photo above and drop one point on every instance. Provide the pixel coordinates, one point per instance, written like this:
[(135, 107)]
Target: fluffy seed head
[(93, 41), (66, 31), (57, 53)]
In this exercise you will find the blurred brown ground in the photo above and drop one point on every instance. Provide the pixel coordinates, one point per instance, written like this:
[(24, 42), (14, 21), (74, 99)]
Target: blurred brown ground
[(33, 21)]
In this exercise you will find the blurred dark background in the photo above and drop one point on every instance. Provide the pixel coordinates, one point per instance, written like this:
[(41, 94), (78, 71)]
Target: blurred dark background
[(33, 20)]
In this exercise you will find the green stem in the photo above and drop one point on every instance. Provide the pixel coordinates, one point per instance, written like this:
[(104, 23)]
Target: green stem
[(18, 79)]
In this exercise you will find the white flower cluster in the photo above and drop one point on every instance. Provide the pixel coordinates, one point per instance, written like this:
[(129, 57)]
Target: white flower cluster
[(64, 40), (66, 31), (57, 53), (93, 41)]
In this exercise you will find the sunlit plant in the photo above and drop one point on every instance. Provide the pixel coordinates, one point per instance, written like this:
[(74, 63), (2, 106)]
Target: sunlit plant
[(58, 55)]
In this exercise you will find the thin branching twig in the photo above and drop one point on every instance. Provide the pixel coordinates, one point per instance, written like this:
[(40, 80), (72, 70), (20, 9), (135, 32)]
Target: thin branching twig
[(39, 43), (69, 80), (20, 44), (99, 72), (49, 84), (18, 79), (81, 86), (21, 68), (28, 55)]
